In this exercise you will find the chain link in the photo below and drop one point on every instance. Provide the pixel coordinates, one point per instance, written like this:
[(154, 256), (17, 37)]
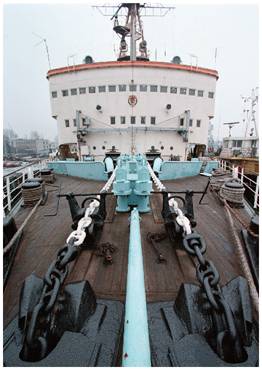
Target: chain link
[(208, 277), (39, 325)]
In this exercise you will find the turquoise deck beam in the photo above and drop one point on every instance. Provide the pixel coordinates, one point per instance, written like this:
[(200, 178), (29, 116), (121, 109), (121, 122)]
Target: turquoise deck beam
[(136, 348)]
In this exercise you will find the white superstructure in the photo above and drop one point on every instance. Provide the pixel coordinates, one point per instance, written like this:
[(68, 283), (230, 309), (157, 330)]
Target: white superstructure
[(132, 105)]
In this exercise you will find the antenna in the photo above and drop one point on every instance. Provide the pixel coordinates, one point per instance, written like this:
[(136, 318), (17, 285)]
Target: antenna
[(132, 26), (230, 125), (43, 40)]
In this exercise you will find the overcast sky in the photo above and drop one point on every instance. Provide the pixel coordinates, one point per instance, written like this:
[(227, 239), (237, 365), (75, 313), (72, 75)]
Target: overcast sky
[(79, 29)]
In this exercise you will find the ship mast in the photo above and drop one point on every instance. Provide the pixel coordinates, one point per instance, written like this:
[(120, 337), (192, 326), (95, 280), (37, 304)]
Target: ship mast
[(133, 26)]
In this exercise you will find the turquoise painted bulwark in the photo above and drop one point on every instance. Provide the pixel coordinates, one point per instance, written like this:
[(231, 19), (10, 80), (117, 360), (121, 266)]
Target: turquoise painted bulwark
[(171, 170), (211, 165), (86, 170)]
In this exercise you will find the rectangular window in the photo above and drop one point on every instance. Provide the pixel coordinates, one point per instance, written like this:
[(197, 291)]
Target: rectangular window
[(65, 92), (173, 90), (74, 122), (143, 120), (91, 89), (143, 87), (198, 122), (84, 122), (132, 87), (183, 90), (192, 92), (133, 120), (153, 120), (82, 90), (101, 89), (181, 121), (190, 123), (123, 120), (112, 88), (163, 89), (237, 143), (153, 88), (54, 94), (73, 91), (66, 122), (211, 94), (200, 93), (122, 87), (113, 120)]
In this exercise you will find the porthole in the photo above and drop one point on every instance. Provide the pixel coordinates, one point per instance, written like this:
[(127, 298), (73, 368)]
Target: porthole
[(171, 148), (103, 147), (162, 148), (94, 147)]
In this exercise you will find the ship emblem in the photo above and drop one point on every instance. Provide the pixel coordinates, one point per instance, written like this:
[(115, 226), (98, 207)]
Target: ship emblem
[(132, 100)]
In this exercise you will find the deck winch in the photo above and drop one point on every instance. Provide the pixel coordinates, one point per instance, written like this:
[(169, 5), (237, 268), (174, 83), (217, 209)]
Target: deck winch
[(132, 184)]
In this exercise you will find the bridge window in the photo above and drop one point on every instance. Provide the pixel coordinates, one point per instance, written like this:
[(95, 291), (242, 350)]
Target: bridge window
[(54, 94), (101, 89), (163, 89), (91, 89), (183, 90), (200, 93), (143, 120), (122, 120), (173, 90), (190, 123), (153, 120), (65, 92), (67, 123), (74, 122), (82, 90), (122, 87), (237, 143), (211, 94), (112, 120), (192, 92), (153, 88), (143, 87), (133, 120), (73, 91), (181, 121), (132, 87), (198, 123), (112, 88)]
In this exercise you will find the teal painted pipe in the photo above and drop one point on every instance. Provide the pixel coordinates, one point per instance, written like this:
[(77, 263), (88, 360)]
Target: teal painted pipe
[(136, 348)]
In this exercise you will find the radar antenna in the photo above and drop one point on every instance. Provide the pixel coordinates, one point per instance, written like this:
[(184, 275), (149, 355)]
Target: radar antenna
[(230, 125), (132, 26)]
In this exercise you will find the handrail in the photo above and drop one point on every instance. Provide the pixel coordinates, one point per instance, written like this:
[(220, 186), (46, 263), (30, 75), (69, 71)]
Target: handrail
[(224, 164), (12, 186)]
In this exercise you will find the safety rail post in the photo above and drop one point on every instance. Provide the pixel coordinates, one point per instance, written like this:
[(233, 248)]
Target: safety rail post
[(136, 347), (242, 175), (8, 193), (256, 193)]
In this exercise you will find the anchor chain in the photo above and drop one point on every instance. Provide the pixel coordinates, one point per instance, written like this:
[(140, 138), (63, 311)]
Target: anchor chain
[(209, 277), (41, 325)]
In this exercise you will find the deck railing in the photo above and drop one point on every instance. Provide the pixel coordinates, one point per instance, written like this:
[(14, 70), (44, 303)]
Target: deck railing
[(238, 172), (12, 185)]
